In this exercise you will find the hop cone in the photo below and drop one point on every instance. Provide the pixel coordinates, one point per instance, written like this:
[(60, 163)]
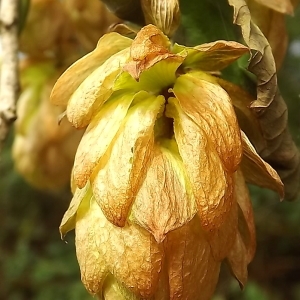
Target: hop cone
[(43, 151), (160, 198)]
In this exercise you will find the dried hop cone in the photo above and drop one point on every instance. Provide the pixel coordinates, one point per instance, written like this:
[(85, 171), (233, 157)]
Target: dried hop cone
[(43, 151), (160, 198)]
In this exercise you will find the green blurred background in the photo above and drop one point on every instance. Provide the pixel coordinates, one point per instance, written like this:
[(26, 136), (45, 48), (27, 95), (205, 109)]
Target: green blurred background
[(36, 264)]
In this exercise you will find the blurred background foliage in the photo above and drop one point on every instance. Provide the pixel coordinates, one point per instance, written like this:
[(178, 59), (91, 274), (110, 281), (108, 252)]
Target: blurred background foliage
[(36, 264)]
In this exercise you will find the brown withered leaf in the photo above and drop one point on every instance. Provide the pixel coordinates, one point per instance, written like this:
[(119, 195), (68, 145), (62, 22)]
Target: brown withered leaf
[(190, 275), (92, 264), (130, 253), (272, 25), (269, 108), (211, 183), (281, 6), (66, 85), (165, 200), (118, 178)]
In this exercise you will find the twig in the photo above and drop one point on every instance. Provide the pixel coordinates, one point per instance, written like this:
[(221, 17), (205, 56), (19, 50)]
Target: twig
[(9, 83)]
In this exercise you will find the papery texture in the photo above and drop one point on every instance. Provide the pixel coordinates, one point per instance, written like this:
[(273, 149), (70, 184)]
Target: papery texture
[(211, 57), (165, 200), (90, 95), (244, 246), (211, 183), (130, 254), (66, 85), (270, 108), (130, 155), (105, 124), (190, 276)]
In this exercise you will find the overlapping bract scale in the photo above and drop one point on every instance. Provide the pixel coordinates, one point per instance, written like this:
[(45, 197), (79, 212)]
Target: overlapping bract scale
[(244, 245), (210, 108), (130, 154), (130, 254), (95, 90), (211, 183), (257, 171), (193, 271), (165, 200), (105, 124), (69, 81), (211, 56)]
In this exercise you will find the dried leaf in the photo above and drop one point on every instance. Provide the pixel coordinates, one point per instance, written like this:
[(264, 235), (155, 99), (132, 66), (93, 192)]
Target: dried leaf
[(272, 25), (92, 263), (128, 30), (119, 177), (66, 85), (130, 253), (165, 200), (190, 275), (211, 56), (269, 108), (222, 239)]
